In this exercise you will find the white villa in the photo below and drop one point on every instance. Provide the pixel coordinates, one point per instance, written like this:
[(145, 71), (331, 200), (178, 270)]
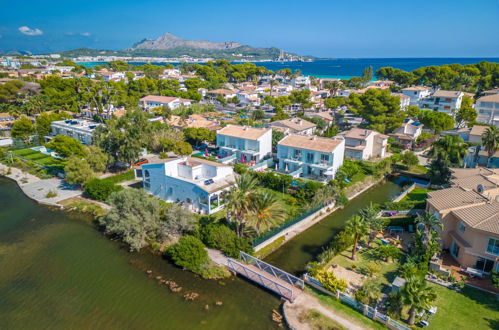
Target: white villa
[(363, 144), (80, 129), (443, 101), (294, 126), (153, 101), (488, 109), (416, 93), (196, 183), (408, 131), (313, 157), (244, 144)]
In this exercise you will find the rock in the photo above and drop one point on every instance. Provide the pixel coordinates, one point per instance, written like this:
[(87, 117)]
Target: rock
[(206, 307), (218, 303), (191, 296), (149, 271)]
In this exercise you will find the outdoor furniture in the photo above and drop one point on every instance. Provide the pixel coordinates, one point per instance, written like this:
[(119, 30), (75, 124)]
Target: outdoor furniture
[(474, 272)]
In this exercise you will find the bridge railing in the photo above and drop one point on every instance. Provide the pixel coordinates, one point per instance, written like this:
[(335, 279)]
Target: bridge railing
[(271, 270), (263, 280)]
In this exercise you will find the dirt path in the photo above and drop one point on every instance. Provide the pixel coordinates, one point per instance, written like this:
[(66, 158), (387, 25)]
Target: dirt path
[(306, 301)]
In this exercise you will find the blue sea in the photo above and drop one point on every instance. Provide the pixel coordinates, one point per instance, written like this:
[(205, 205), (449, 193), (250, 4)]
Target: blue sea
[(345, 68)]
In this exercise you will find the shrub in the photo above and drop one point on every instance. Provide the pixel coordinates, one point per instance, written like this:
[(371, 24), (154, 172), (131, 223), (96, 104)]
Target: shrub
[(101, 189), (51, 194), (189, 253), (221, 237), (124, 176), (330, 282), (494, 277)]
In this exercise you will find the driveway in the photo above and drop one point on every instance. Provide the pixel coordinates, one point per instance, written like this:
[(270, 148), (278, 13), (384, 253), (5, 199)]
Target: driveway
[(38, 190)]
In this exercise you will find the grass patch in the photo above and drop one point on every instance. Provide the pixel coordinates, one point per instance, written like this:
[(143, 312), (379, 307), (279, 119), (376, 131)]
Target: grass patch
[(317, 321), (469, 309), (262, 253), (417, 194), (344, 310), (82, 205), (385, 271)]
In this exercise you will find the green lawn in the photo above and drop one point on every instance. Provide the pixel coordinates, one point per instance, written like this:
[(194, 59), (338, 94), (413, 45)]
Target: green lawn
[(387, 270), (418, 194), (345, 311), (469, 309)]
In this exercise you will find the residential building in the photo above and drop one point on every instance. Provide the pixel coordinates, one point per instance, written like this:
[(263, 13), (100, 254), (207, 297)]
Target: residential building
[(476, 133), (224, 93), (247, 144), (294, 126), (152, 101), (80, 129), (416, 93), (6, 121), (248, 97), (301, 81), (324, 115), (113, 76), (313, 157), (405, 100), (382, 83), (443, 101), (487, 108), (198, 184), (469, 211), (408, 132), (363, 144)]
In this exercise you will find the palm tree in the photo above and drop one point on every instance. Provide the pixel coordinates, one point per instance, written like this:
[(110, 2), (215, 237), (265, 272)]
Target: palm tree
[(490, 141), (449, 147), (333, 86), (428, 222), (238, 200), (370, 215), (358, 228), (418, 295), (265, 210)]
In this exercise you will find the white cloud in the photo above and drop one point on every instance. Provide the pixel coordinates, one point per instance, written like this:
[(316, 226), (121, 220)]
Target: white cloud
[(86, 34), (30, 32)]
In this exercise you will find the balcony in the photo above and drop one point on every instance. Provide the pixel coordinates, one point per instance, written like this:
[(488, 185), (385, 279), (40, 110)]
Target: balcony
[(294, 160), (321, 165)]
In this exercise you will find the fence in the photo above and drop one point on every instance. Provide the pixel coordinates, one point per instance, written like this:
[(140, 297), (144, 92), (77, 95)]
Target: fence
[(271, 270), (367, 310), (286, 225), (404, 193), (227, 159), (263, 164)]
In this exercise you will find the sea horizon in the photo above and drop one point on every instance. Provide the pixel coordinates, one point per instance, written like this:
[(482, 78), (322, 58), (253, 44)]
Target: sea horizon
[(345, 68)]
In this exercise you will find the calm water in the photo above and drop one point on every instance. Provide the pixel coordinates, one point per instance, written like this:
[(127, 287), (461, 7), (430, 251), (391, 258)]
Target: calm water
[(295, 254), (345, 68), (58, 271)]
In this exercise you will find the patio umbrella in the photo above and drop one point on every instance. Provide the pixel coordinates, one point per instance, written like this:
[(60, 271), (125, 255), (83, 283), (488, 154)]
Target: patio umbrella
[(206, 152), (242, 159), (286, 167)]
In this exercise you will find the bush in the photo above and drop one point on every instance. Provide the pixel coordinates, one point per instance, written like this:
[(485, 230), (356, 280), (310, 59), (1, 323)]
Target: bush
[(122, 177), (189, 253), (221, 237), (329, 281), (101, 189), (494, 277)]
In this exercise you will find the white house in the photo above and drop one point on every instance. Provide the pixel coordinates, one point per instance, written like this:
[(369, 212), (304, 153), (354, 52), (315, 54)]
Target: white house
[(301, 81), (487, 108), (363, 144), (405, 100), (198, 184), (113, 76), (313, 157), (80, 129), (245, 144), (152, 101), (408, 132), (443, 101), (294, 125), (248, 97), (416, 93), (224, 93)]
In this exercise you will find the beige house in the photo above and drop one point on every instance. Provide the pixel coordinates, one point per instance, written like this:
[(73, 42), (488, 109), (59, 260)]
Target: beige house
[(469, 211), (363, 144), (294, 126)]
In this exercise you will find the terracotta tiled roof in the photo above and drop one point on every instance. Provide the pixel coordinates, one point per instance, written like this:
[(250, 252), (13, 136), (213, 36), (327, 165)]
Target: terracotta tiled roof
[(416, 88), (159, 99), (483, 217), (443, 93), (296, 124), (478, 130), (460, 173), (245, 132), (453, 198), (489, 98), (316, 143)]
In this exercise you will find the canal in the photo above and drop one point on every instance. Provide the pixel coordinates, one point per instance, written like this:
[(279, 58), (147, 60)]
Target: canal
[(296, 253), (58, 271)]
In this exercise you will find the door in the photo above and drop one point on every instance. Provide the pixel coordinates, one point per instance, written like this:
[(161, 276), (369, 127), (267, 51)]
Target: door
[(485, 265), (454, 250)]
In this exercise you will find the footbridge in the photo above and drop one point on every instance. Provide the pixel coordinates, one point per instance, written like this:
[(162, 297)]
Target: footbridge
[(268, 276)]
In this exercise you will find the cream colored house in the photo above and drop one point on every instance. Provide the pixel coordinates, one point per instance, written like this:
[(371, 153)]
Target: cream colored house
[(469, 211), (363, 144)]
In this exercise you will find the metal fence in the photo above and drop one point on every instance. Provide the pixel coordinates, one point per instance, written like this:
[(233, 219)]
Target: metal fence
[(271, 270), (366, 310), (286, 225)]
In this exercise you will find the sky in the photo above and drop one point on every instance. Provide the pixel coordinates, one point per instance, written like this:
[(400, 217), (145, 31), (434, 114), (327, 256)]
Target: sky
[(323, 28)]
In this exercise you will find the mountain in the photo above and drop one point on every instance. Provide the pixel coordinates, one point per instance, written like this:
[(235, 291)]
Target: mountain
[(171, 46), (169, 41)]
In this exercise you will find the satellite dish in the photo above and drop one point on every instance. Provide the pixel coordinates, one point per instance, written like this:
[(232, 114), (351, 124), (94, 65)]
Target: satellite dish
[(479, 188)]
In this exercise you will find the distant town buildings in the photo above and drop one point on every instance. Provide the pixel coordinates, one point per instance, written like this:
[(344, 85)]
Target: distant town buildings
[(152, 101), (80, 129)]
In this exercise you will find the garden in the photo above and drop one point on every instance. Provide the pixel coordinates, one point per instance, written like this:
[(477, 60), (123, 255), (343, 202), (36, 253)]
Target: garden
[(33, 161)]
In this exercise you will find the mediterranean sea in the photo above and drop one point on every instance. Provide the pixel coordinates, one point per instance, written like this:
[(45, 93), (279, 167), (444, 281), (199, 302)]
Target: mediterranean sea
[(345, 68)]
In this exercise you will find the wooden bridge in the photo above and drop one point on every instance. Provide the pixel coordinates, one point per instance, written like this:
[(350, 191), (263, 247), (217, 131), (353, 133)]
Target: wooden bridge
[(268, 276)]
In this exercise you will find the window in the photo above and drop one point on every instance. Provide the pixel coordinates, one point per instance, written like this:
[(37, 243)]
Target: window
[(462, 227), (297, 153), (485, 265), (454, 250), (493, 246), (324, 158), (310, 157)]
